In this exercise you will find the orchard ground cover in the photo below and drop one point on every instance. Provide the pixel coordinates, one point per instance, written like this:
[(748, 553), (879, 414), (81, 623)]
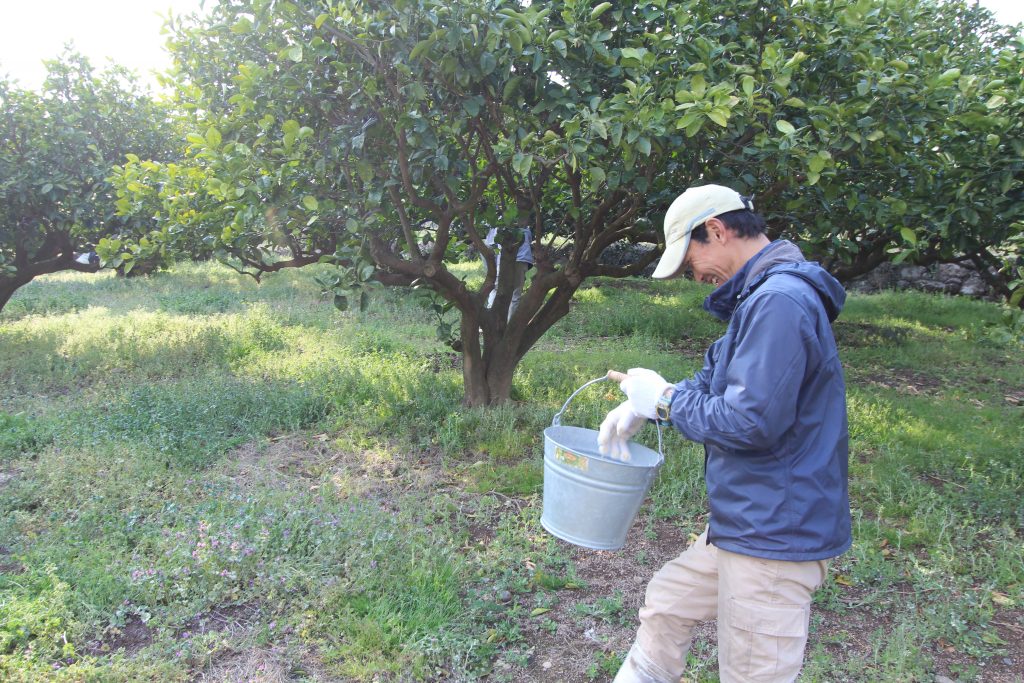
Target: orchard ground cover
[(205, 479)]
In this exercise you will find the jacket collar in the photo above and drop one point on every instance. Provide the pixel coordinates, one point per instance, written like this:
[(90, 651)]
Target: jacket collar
[(723, 301)]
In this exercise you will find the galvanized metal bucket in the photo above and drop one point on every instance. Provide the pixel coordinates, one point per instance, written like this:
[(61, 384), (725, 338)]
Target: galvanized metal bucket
[(591, 500)]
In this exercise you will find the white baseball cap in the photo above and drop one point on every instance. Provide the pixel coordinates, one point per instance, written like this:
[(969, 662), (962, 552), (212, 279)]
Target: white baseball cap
[(689, 211)]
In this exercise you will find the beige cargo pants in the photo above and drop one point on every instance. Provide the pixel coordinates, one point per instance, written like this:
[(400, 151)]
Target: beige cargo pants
[(763, 608)]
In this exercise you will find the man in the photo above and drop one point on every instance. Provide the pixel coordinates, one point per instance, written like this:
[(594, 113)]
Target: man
[(769, 406)]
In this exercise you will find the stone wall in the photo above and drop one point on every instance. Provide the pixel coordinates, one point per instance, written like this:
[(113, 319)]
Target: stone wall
[(948, 278)]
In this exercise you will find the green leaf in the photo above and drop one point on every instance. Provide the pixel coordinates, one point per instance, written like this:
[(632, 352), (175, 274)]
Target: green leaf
[(718, 116), (785, 127), (295, 53), (515, 42), (320, 20), (341, 302), (795, 102), (213, 138), (688, 118), (364, 301), (511, 86), (909, 235), (902, 256), (310, 202), (243, 25), (487, 63), (948, 76), (643, 145), (521, 163), (995, 102), (748, 85), (420, 48), (597, 177), (698, 86), (600, 9)]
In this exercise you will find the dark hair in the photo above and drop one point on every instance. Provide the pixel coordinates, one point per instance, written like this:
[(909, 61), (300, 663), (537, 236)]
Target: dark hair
[(744, 223)]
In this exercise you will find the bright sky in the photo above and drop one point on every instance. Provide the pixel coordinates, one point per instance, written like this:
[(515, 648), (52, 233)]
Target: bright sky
[(128, 32)]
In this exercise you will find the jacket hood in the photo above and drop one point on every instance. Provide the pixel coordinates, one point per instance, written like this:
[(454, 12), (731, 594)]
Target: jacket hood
[(781, 256)]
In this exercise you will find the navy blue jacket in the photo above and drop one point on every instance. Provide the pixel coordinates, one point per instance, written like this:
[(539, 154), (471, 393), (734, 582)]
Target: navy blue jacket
[(769, 406)]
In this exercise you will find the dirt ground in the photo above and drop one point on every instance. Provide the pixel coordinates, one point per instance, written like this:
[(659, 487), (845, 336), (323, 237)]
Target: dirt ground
[(565, 645)]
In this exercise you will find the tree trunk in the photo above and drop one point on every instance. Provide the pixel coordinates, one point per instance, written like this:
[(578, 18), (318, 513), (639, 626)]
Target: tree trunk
[(488, 367), (28, 272), (486, 373), (7, 289)]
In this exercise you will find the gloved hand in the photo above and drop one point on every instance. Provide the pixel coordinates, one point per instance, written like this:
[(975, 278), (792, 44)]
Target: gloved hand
[(618, 427), (644, 387)]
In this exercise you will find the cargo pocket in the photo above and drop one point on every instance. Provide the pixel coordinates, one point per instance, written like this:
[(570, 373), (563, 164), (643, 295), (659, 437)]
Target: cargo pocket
[(763, 642)]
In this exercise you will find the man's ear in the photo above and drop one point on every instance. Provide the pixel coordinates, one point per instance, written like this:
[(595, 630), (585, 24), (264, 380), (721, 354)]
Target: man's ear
[(717, 230)]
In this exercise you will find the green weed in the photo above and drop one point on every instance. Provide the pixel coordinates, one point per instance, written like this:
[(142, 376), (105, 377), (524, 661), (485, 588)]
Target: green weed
[(185, 444)]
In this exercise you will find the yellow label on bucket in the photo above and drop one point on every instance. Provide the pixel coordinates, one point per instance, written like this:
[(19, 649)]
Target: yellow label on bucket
[(573, 460)]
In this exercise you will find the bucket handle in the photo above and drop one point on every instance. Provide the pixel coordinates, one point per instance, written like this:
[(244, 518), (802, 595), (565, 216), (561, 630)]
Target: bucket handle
[(557, 420)]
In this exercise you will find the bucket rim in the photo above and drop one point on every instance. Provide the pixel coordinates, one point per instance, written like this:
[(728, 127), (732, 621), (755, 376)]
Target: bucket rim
[(659, 458)]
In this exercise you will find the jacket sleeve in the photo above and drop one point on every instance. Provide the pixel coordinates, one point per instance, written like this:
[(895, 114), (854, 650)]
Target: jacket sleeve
[(762, 381)]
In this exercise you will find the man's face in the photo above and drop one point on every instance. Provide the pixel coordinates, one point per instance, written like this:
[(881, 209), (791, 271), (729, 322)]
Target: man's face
[(708, 261)]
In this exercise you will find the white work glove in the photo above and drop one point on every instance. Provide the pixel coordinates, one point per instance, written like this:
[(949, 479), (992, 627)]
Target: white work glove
[(644, 387), (618, 427)]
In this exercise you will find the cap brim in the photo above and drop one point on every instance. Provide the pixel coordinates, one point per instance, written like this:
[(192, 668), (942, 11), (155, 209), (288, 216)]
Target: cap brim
[(671, 263)]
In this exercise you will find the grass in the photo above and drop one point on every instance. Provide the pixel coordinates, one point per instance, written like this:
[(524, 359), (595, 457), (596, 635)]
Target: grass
[(200, 476)]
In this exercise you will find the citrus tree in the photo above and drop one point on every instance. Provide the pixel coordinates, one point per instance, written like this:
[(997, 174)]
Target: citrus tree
[(390, 136), (57, 147)]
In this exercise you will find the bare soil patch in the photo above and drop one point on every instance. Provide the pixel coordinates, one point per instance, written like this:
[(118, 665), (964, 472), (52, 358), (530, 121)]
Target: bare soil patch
[(1008, 667), (572, 653), (444, 361), (569, 654), (231, 619), (313, 462), (132, 637), (7, 564), (907, 381)]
